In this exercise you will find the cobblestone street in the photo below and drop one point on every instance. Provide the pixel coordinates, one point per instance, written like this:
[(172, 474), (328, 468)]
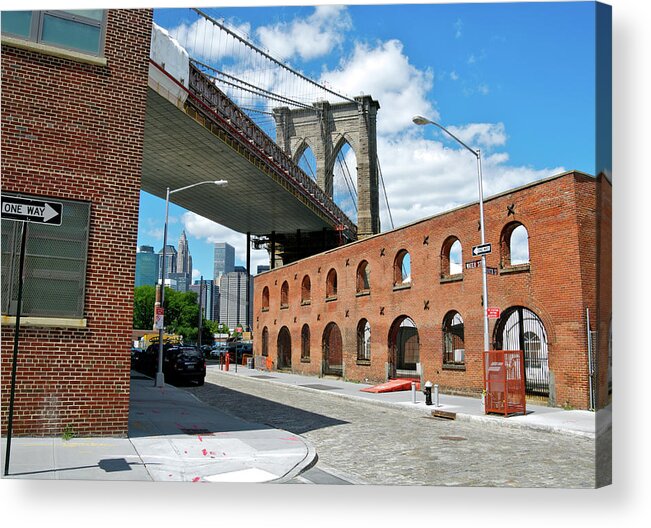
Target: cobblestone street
[(364, 443)]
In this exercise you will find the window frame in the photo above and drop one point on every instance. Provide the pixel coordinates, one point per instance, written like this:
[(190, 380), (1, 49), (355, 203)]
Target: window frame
[(363, 278), (449, 337), (284, 295), (506, 249), (37, 22), (363, 344), (305, 343), (399, 282)]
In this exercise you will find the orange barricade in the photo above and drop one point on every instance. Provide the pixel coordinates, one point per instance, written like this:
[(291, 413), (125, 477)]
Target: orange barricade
[(504, 382)]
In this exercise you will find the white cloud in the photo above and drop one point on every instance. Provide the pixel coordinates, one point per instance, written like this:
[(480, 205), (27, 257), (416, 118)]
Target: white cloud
[(458, 25), (385, 73), (211, 232), (454, 76), (309, 38), (483, 134), (196, 274)]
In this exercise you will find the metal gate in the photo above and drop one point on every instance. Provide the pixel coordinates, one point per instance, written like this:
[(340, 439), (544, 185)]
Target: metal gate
[(404, 349), (284, 349), (333, 357), (521, 329)]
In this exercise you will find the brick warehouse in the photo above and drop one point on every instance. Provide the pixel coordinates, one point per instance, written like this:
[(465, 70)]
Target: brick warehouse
[(72, 132), (359, 312)]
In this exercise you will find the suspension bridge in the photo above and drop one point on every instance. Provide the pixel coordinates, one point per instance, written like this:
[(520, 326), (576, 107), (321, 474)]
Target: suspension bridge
[(220, 107)]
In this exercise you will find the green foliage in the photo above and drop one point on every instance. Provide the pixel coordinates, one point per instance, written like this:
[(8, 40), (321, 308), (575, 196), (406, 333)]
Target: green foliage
[(143, 307), (68, 433)]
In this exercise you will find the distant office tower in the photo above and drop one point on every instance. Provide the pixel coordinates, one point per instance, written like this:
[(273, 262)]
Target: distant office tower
[(224, 259), (232, 299), (215, 300), (184, 259), (146, 266), (262, 268), (170, 261), (180, 281), (207, 293)]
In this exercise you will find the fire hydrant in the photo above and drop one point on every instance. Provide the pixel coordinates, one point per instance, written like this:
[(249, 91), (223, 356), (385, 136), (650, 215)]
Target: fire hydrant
[(428, 393), (228, 360)]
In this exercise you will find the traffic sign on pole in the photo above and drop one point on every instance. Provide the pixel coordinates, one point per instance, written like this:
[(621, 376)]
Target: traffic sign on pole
[(493, 313), (481, 249), (28, 210)]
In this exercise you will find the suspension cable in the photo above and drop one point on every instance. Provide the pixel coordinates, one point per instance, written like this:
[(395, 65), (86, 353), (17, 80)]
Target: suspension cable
[(386, 197)]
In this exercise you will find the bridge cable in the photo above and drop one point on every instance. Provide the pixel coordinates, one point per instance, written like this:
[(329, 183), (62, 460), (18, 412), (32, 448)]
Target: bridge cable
[(386, 197)]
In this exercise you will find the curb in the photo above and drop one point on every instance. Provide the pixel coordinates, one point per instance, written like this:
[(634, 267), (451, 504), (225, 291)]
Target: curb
[(462, 417)]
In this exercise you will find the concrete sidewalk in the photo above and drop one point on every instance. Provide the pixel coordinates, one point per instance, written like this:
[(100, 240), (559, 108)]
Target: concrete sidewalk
[(540, 417), (172, 437)]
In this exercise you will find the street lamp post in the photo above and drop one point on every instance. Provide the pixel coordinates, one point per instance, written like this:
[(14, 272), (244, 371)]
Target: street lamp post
[(420, 120), (160, 378)]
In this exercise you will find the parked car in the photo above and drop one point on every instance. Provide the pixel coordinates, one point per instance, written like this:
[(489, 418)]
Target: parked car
[(137, 355), (184, 363), (218, 350)]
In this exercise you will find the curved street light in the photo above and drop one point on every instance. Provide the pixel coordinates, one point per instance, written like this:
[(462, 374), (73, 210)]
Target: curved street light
[(160, 377), (420, 120)]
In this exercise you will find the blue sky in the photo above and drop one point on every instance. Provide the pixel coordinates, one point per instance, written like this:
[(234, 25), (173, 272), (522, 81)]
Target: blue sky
[(514, 79)]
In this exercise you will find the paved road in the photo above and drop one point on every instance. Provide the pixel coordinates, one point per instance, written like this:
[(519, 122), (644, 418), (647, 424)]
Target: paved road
[(363, 443)]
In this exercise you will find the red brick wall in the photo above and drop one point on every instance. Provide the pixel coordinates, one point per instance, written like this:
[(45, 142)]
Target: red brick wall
[(74, 130), (557, 285)]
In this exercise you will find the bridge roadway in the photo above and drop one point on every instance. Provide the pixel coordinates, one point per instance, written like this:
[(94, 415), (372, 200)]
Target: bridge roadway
[(196, 133)]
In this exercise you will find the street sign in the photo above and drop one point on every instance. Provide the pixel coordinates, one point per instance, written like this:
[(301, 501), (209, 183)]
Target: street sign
[(493, 313), (159, 318), (473, 264), (481, 249), (491, 271), (28, 210)]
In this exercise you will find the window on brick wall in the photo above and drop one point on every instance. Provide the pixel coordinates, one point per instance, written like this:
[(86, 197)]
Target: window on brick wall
[(363, 277), (305, 343), (55, 264), (402, 269), (80, 30), (363, 340), (451, 258), (306, 290), (514, 246), (331, 284), (265, 341), (265, 299), (284, 295), (453, 348)]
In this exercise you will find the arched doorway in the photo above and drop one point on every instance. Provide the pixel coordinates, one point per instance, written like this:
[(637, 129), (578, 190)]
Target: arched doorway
[(284, 349), (521, 329), (404, 348), (333, 357)]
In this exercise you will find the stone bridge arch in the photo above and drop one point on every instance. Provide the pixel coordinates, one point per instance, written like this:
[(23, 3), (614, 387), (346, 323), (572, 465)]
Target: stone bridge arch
[(325, 129)]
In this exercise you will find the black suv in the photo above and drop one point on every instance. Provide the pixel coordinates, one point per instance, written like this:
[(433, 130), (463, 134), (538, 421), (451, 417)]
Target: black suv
[(184, 363), (180, 363)]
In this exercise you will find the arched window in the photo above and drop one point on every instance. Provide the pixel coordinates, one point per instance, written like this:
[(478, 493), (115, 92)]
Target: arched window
[(364, 340), (305, 343), (284, 295), (402, 269), (453, 347), (514, 245), (284, 349), (331, 284), (265, 341), (363, 277), (306, 290), (451, 258), (265, 299)]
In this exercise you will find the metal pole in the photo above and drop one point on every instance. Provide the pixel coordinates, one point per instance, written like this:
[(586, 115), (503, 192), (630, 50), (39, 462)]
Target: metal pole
[(160, 378), (483, 257), (248, 281), (21, 266), (200, 326)]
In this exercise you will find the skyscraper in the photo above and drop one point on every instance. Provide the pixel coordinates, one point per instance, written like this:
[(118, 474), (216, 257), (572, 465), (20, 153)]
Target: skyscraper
[(184, 259), (232, 299), (146, 266), (170, 261), (224, 259), (207, 298)]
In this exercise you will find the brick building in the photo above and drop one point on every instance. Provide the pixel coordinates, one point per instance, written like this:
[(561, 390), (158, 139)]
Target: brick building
[(73, 110), (407, 303)]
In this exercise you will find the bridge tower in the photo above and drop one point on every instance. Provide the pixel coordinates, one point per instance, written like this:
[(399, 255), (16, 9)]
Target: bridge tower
[(326, 129)]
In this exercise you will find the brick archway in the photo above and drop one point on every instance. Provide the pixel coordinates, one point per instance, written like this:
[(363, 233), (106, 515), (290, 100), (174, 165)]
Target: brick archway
[(404, 348), (333, 356)]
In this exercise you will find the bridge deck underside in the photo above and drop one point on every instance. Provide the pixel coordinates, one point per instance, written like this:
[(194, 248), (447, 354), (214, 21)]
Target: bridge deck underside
[(179, 151)]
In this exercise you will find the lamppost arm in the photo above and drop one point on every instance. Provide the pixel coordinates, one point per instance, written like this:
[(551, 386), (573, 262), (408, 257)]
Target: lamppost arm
[(420, 120)]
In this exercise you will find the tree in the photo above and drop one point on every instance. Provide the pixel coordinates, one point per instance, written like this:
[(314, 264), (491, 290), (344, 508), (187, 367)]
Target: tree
[(143, 307)]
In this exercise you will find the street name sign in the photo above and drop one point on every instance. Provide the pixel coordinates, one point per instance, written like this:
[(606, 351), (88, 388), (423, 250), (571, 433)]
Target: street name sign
[(491, 271), (29, 210), (482, 249), (473, 264)]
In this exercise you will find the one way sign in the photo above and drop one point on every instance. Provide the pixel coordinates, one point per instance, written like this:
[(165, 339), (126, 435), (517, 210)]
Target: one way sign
[(482, 249), (28, 210)]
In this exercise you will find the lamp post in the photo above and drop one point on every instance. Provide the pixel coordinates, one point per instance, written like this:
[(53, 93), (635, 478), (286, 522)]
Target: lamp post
[(160, 378), (420, 120)]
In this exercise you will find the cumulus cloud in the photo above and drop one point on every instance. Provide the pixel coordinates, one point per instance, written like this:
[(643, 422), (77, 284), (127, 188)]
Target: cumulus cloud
[(483, 134), (385, 73), (309, 38), (210, 232)]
